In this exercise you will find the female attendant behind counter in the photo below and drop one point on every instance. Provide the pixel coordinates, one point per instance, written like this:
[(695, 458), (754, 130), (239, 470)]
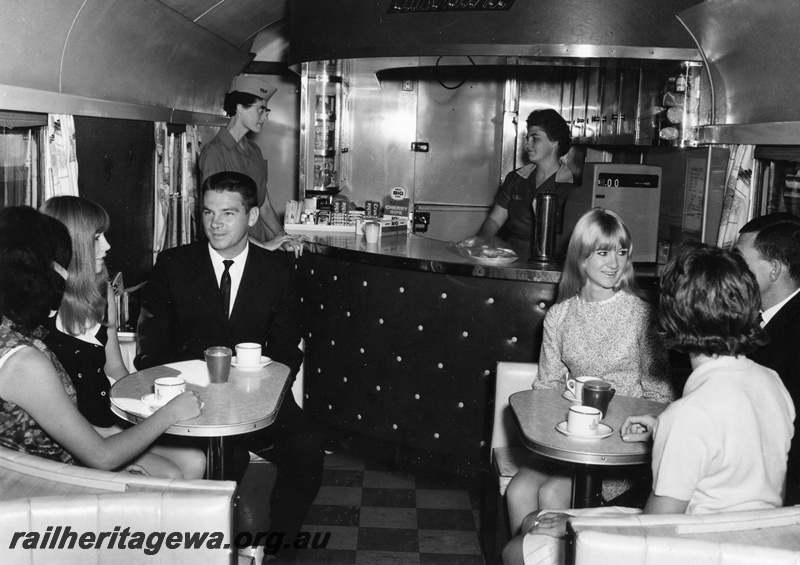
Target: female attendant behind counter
[(231, 150), (546, 142)]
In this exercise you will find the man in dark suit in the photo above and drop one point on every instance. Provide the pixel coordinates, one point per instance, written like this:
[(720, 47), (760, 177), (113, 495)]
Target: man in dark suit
[(223, 292), (771, 246)]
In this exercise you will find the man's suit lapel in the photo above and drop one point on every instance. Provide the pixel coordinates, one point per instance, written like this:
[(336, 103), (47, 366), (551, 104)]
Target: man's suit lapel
[(206, 280), (252, 279)]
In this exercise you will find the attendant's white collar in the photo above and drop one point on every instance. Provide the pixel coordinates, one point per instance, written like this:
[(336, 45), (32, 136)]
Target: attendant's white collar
[(562, 175), (769, 313)]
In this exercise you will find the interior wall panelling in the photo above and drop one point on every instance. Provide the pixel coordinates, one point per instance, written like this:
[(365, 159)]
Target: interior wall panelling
[(384, 123), (408, 357), (460, 113), (115, 170), (752, 52), (279, 141)]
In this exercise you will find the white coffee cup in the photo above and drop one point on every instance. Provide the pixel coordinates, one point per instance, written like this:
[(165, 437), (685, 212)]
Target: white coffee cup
[(583, 420), (372, 230), (167, 388), (575, 386), (248, 353)]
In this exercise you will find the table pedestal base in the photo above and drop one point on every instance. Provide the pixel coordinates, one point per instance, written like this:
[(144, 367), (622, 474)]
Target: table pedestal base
[(587, 487), (215, 460)]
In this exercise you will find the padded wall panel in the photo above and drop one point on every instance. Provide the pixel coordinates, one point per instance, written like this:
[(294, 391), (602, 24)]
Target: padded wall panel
[(408, 357)]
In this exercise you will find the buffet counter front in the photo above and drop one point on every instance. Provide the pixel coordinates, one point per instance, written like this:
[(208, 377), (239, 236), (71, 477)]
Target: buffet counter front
[(402, 340)]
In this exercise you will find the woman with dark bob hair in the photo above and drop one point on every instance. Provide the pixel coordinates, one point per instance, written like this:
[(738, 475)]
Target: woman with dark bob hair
[(547, 141), (723, 445), (710, 311), (38, 412)]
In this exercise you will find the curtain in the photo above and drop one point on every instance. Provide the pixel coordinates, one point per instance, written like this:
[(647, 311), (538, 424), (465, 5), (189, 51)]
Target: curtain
[(738, 194), (175, 187), (60, 161), (20, 166)]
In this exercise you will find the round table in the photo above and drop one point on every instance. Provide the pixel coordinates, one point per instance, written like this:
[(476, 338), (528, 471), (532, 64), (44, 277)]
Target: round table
[(249, 401), (538, 411)]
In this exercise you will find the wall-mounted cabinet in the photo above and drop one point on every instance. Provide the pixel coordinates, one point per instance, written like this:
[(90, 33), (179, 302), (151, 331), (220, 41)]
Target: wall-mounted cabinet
[(324, 128)]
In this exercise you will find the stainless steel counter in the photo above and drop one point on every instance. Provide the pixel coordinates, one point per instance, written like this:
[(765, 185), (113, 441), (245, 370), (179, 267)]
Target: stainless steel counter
[(415, 252)]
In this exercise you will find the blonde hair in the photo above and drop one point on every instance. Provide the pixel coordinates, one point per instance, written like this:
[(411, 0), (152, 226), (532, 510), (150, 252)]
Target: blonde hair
[(597, 229), (85, 299)]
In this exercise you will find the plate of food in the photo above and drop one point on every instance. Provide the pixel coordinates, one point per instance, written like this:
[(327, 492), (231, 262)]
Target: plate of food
[(486, 251)]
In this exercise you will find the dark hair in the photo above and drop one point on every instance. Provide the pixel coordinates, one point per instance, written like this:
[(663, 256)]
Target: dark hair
[(236, 97), (554, 126), (29, 286), (710, 303), (230, 181), (781, 242), (758, 224)]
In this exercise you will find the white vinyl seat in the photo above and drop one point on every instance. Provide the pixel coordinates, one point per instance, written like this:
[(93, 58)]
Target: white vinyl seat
[(506, 453), (758, 537), (37, 493)]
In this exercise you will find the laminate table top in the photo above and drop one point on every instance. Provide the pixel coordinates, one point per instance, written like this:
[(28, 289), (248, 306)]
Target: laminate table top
[(249, 401), (538, 411)]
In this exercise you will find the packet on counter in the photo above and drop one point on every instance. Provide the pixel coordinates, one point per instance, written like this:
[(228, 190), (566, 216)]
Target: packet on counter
[(294, 211)]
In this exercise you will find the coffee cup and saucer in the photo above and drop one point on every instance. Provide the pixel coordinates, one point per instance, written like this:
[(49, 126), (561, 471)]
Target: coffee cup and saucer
[(583, 423), (248, 357), (574, 392), (165, 389)]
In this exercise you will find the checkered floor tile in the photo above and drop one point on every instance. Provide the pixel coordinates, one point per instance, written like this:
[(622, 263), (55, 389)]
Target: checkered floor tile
[(379, 516)]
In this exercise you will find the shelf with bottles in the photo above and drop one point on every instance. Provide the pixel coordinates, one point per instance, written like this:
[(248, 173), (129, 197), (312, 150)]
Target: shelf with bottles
[(678, 117)]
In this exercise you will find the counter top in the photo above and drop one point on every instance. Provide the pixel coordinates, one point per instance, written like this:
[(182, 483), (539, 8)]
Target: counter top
[(420, 253), (416, 252)]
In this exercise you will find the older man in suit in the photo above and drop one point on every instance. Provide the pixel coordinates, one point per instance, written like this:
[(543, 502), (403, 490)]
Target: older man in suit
[(223, 292), (771, 246)]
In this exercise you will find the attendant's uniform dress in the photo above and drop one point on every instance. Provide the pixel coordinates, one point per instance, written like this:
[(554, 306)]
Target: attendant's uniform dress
[(18, 430), (517, 195), (224, 154), (614, 340), (722, 446), (84, 358)]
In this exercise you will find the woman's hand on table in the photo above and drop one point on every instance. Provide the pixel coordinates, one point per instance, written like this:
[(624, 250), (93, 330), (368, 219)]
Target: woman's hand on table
[(185, 406), (638, 428)]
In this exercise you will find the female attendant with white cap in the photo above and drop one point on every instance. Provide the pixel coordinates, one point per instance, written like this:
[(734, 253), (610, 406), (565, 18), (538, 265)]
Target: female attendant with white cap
[(232, 150)]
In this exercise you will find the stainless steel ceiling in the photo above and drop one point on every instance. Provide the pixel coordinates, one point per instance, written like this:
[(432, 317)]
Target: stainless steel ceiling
[(235, 21)]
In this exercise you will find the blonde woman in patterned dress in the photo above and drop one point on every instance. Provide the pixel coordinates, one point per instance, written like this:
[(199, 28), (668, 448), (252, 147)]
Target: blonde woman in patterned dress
[(600, 326)]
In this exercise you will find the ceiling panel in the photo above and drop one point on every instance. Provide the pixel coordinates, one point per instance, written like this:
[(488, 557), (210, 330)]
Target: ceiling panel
[(235, 21)]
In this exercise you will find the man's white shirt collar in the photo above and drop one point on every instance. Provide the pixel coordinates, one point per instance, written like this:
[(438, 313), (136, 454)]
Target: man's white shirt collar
[(236, 270), (769, 313)]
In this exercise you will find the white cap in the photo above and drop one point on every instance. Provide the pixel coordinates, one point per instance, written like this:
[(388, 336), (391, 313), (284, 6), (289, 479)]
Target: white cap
[(253, 84)]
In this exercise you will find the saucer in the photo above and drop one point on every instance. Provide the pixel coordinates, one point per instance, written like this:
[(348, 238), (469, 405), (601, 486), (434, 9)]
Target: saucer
[(571, 397), (150, 400), (264, 362), (603, 431)]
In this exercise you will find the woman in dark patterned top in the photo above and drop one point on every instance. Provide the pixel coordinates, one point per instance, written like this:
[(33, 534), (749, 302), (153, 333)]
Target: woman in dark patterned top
[(37, 401), (83, 335)]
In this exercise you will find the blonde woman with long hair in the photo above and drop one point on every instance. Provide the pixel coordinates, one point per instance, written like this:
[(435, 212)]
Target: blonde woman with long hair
[(600, 326), (83, 336)]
